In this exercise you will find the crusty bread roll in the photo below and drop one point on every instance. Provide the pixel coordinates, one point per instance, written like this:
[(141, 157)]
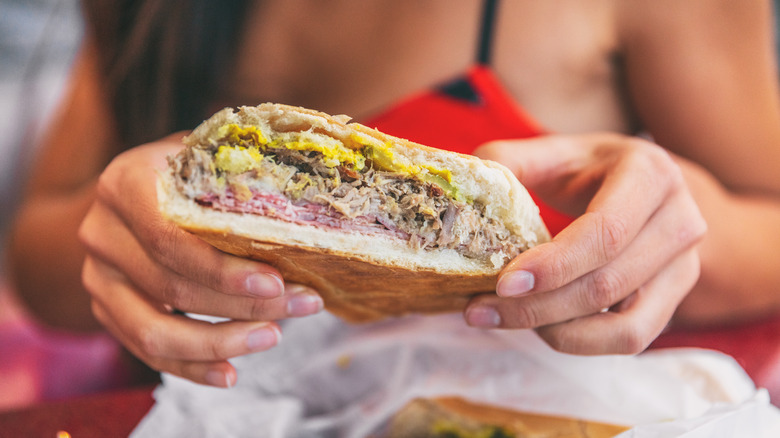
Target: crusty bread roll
[(449, 417), (366, 271)]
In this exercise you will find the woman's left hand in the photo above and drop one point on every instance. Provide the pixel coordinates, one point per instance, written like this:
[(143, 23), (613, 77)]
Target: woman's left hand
[(611, 281)]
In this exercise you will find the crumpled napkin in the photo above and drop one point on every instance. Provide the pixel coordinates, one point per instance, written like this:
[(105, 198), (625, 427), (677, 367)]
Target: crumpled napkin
[(328, 378)]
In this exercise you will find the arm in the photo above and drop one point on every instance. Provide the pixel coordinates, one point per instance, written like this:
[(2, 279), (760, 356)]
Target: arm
[(125, 261), (703, 78), (44, 252)]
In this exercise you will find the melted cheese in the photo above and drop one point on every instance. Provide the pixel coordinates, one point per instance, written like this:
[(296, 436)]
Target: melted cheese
[(237, 159)]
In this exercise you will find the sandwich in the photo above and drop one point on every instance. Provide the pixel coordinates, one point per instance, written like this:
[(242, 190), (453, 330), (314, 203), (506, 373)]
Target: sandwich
[(378, 225), (455, 417)]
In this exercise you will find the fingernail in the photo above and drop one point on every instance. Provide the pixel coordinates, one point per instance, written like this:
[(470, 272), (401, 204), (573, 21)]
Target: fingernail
[(217, 378), (515, 283), (263, 338), (483, 316), (304, 303), (264, 285)]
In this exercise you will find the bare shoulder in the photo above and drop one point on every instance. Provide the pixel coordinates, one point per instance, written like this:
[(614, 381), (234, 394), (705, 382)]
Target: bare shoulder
[(707, 18), (702, 76)]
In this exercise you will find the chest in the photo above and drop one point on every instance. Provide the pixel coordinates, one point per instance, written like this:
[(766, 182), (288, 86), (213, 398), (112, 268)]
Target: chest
[(555, 58)]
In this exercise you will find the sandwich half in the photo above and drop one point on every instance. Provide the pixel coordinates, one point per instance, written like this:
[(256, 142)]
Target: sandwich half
[(378, 225)]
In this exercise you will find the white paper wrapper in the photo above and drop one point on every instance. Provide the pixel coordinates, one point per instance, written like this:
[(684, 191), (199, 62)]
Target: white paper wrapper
[(328, 379)]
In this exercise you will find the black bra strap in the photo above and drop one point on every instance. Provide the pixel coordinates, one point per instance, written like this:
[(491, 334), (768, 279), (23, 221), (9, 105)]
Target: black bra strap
[(486, 32)]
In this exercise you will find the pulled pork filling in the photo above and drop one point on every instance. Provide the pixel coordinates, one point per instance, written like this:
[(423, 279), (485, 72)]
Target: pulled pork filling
[(296, 186)]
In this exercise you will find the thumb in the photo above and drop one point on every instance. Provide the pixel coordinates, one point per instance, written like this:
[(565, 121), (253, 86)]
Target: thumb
[(562, 170), (540, 163)]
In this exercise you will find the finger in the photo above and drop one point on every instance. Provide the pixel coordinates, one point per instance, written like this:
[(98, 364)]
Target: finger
[(678, 225), (178, 292), (550, 164), (129, 190), (629, 195), (637, 323), (236, 277), (536, 161), (214, 373), (152, 333)]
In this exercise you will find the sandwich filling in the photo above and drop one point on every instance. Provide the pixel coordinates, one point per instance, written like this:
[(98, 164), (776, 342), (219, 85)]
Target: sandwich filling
[(312, 178)]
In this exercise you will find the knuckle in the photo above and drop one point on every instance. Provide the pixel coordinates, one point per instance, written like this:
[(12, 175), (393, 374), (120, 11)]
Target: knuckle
[(691, 271), (170, 249), (613, 234), (90, 233), (559, 340), (84, 233), (663, 166), (109, 182), (557, 266), (94, 279), (525, 316), (99, 312), (258, 309), (691, 233), (692, 230), (218, 350), (164, 245), (149, 341), (177, 294), (158, 364), (654, 163), (606, 287), (105, 183), (88, 275), (607, 141), (633, 339), (215, 275)]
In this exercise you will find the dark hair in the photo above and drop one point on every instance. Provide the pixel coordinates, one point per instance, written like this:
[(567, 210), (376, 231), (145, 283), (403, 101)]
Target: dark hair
[(163, 59)]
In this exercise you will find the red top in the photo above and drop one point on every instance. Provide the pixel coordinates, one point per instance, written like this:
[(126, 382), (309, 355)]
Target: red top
[(460, 124)]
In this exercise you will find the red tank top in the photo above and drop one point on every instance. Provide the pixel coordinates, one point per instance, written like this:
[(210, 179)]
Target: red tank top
[(462, 115)]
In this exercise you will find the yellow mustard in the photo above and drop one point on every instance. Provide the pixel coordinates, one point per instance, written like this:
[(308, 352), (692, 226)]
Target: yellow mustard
[(244, 147), (234, 134), (334, 154)]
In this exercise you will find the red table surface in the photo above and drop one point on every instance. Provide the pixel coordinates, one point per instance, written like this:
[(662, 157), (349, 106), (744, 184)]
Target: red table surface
[(113, 414)]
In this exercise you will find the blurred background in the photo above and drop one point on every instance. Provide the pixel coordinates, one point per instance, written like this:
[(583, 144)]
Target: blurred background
[(38, 41)]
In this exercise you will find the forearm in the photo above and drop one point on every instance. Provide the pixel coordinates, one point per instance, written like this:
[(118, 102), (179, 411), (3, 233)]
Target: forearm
[(46, 259), (740, 270)]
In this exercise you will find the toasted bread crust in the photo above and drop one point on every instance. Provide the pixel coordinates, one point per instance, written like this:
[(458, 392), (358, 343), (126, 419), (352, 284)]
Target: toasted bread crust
[(357, 290)]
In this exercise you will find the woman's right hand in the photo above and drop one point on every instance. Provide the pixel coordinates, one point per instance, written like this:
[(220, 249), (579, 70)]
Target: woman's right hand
[(139, 267)]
